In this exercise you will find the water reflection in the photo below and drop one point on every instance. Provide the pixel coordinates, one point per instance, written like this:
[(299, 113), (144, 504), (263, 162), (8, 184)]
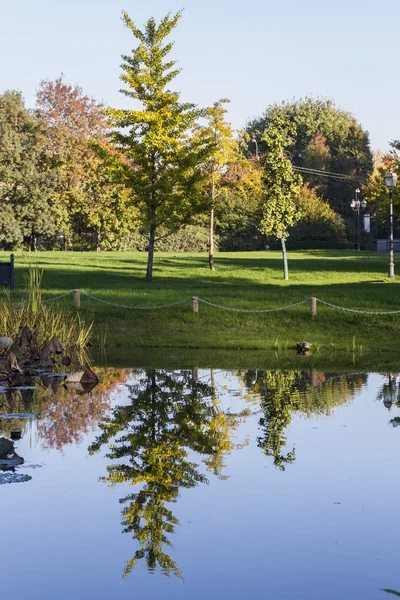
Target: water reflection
[(164, 434), (282, 393), (169, 414), (65, 414)]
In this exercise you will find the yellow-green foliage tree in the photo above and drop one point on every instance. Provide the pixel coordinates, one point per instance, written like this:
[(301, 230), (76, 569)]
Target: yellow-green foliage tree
[(165, 159), (376, 192), (282, 186), (229, 171)]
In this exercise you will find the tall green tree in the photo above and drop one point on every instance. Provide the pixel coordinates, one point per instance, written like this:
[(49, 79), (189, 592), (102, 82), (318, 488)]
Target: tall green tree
[(326, 138), (230, 173), (165, 172), (25, 182), (282, 186)]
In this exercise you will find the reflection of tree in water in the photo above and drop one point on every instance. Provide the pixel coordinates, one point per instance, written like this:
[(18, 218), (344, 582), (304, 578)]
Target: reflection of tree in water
[(285, 392), (169, 415), (66, 415), (389, 393)]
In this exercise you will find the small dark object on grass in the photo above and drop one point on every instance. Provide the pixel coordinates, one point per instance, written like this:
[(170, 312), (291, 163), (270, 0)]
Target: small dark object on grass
[(303, 348), (66, 361), (15, 434)]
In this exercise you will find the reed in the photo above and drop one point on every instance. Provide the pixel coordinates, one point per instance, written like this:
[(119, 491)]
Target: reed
[(43, 320)]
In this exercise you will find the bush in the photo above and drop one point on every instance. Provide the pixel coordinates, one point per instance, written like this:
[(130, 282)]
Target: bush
[(319, 226), (191, 238)]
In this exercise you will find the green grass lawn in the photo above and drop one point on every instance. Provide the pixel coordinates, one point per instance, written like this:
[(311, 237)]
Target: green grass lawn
[(241, 280)]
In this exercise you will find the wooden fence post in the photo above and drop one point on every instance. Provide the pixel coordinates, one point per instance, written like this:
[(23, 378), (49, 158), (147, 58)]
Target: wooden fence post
[(77, 299), (195, 304), (313, 307)]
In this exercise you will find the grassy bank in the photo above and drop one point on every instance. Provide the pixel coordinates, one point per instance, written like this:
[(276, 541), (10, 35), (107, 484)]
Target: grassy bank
[(241, 280)]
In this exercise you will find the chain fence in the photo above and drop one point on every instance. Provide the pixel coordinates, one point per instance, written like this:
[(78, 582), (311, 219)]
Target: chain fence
[(221, 307), (135, 307), (355, 310), (57, 297), (260, 310)]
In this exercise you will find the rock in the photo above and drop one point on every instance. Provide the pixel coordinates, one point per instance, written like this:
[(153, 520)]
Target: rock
[(82, 381), (5, 342), (84, 376), (7, 464), (304, 348), (54, 346), (12, 363), (8, 457), (20, 416), (15, 434), (13, 478), (23, 342), (6, 448)]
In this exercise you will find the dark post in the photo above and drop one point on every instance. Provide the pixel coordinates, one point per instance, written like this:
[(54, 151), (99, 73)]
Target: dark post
[(12, 272), (391, 254)]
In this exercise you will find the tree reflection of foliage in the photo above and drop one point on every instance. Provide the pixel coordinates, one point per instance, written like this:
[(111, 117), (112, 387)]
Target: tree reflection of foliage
[(18, 401), (169, 415), (389, 393), (285, 392), (65, 415), (69, 415)]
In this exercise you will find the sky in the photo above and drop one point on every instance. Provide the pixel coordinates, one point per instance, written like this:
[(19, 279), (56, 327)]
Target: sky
[(255, 53)]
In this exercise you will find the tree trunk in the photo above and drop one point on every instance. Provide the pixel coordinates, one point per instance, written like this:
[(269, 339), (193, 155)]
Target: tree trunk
[(211, 249), (285, 265), (152, 237), (98, 239), (33, 240)]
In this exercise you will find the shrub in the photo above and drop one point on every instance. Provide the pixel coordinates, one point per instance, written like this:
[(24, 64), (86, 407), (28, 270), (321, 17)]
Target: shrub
[(319, 226)]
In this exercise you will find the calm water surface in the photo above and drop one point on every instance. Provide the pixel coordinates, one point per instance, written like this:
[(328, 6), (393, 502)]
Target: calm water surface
[(204, 484)]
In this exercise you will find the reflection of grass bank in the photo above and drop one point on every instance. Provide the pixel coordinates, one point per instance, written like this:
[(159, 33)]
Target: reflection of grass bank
[(343, 362), (242, 280)]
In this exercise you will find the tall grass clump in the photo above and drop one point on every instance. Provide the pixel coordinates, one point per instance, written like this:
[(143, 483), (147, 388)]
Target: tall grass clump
[(44, 320)]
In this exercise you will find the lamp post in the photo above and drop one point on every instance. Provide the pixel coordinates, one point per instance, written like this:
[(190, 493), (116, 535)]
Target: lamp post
[(391, 182), (357, 205), (256, 143)]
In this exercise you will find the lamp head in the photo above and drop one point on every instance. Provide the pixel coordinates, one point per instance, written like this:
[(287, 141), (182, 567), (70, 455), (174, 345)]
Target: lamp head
[(390, 179)]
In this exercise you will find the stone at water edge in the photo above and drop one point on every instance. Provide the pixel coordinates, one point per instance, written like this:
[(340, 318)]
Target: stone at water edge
[(6, 447), (13, 478), (84, 376), (5, 342), (303, 348)]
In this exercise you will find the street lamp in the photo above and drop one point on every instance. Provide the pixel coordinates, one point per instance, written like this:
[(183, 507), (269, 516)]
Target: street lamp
[(256, 143), (357, 205), (391, 182)]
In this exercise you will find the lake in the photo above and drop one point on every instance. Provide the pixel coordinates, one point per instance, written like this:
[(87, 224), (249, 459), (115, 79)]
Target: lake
[(203, 483)]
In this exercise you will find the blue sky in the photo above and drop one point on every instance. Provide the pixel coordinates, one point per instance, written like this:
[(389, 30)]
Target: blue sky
[(254, 53)]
